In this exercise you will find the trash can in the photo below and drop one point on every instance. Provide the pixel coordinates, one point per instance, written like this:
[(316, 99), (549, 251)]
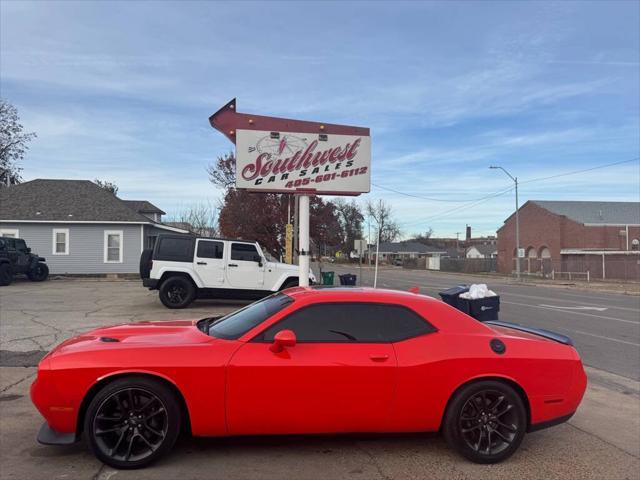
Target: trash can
[(347, 279), (482, 309), (327, 278), (451, 296)]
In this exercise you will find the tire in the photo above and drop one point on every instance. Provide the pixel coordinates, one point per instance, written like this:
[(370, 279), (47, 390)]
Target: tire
[(6, 274), (490, 437), (289, 284), (177, 292), (39, 273), (126, 436), (145, 263)]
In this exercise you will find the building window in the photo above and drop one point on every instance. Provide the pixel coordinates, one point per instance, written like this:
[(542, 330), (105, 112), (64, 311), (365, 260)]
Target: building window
[(9, 232), (60, 241), (113, 246), (635, 244)]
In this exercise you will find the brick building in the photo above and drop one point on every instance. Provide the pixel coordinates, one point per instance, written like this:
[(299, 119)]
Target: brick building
[(563, 238)]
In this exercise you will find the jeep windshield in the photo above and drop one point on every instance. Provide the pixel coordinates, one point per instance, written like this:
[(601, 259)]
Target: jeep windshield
[(236, 324)]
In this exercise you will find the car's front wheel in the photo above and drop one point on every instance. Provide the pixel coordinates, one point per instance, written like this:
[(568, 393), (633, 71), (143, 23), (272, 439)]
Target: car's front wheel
[(39, 273), (177, 292), (132, 422), (485, 421)]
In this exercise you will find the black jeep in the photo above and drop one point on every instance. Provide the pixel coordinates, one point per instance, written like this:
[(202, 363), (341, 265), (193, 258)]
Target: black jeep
[(16, 257)]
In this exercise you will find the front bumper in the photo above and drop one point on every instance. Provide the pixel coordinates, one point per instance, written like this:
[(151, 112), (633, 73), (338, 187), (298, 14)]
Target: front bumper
[(49, 436), (150, 283)]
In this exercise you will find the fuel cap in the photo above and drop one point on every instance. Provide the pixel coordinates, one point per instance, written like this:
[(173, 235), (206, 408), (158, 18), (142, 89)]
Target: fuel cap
[(498, 346)]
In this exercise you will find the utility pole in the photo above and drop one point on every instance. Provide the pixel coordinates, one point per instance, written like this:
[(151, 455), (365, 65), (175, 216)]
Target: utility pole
[(515, 181)]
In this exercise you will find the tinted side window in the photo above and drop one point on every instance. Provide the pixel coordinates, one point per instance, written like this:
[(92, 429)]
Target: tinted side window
[(174, 249), (245, 252), (209, 249), (21, 245), (351, 322)]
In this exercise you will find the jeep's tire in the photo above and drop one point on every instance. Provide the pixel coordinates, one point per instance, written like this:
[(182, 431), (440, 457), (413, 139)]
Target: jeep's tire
[(485, 421), (292, 282), (39, 273), (132, 422), (6, 274), (177, 292)]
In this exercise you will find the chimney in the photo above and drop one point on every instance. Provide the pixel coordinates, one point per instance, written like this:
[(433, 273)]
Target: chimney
[(468, 233)]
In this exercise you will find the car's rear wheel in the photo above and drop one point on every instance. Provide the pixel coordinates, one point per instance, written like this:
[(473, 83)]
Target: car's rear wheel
[(132, 422), (6, 274), (485, 421), (177, 292), (39, 273)]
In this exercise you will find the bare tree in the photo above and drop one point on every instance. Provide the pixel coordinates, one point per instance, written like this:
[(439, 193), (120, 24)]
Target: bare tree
[(108, 186), (13, 144), (200, 218), (383, 216), (222, 173), (351, 220), (424, 238)]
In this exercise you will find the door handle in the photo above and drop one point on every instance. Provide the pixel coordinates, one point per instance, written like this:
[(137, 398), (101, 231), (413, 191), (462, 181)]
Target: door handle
[(379, 358), (202, 263), (233, 264)]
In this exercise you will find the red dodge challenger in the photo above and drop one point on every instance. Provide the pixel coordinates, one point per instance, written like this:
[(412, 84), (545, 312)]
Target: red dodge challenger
[(309, 360)]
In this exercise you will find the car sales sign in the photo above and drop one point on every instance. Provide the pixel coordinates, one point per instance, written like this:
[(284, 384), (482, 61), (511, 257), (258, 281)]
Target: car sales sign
[(321, 163)]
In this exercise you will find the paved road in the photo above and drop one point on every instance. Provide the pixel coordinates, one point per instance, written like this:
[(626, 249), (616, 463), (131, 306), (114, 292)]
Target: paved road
[(605, 327)]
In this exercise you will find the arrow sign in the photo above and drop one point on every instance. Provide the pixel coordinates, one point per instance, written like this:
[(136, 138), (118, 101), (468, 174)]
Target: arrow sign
[(598, 309), (227, 120), (282, 155)]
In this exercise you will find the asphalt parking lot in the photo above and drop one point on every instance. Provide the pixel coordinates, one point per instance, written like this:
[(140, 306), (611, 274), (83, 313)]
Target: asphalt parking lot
[(601, 441)]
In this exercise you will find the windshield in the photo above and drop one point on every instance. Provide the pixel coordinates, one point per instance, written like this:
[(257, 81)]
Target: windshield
[(236, 324), (269, 256)]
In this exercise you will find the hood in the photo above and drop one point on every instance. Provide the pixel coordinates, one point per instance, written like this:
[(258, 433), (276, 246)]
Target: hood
[(158, 333)]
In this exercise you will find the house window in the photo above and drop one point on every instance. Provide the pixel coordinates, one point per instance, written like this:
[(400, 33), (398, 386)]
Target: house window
[(60, 241), (9, 232), (113, 246)]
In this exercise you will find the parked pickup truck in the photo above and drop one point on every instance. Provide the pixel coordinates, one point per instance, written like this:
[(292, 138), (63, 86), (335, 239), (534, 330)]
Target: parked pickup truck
[(183, 268)]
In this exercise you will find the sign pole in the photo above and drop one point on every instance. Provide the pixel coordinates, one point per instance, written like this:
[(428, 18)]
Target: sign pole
[(375, 275), (303, 276)]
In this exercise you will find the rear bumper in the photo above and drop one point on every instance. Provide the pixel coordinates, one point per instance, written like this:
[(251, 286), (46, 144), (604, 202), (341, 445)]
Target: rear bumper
[(150, 283), (49, 436), (549, 423)]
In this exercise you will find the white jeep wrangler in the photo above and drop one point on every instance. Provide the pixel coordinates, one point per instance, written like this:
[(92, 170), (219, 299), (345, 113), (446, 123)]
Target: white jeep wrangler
[(183, 268)]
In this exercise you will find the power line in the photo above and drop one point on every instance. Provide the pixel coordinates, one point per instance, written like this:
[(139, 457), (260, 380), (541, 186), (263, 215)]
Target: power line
[(430, 199), (473, 203), (580, 171)]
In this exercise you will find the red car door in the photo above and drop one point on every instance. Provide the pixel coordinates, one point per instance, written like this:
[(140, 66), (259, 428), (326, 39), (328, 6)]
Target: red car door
[(339, 377)]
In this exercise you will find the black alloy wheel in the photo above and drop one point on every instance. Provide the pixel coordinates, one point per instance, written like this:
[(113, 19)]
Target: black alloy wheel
[(177, 292), (39, 273), (131, 425), (486, 422)]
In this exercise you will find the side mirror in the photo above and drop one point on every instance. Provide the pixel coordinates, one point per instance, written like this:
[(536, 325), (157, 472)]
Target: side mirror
[(258, 258), (282, 339)]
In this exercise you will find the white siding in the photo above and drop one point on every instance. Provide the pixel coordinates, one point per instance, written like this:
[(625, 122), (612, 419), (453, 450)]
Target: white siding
[(86, 246)]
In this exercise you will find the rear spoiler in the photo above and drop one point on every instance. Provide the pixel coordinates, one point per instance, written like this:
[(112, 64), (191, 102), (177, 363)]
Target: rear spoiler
[(557, 337)]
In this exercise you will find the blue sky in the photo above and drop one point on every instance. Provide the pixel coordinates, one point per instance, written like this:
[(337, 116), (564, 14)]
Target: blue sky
[(123, 90)]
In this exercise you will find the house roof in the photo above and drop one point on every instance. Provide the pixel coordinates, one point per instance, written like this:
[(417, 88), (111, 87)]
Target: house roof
[(484, 249), (143, 206), (407, 247), (44, 200), (615, 213)]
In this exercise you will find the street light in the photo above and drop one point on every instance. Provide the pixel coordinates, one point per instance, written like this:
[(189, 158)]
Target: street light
[(515, 180)]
